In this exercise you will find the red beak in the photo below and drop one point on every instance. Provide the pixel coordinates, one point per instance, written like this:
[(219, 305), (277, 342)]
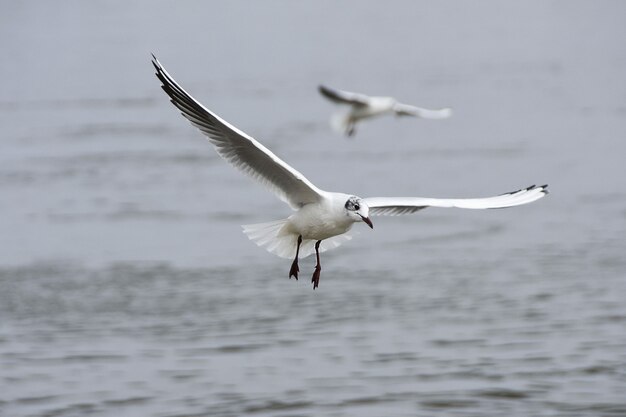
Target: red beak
[(368, 221)]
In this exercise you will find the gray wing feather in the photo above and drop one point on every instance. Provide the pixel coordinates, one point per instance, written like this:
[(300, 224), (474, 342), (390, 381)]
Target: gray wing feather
[(407, 110), (343, 97), (241, 150), (394, 206)]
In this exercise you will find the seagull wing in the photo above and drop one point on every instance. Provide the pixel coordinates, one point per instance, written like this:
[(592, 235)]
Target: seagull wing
[(395, 206), (344, 97), (241, 150), (406, 110)]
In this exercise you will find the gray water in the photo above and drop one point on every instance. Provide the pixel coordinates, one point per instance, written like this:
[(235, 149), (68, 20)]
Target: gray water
[(128, 289)]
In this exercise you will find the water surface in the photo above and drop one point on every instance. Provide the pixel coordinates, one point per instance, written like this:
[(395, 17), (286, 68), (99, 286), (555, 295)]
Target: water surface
[(127, 287)]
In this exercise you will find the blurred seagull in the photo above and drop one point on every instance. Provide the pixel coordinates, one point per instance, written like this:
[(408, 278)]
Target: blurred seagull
[(365, 107), (319, 215)]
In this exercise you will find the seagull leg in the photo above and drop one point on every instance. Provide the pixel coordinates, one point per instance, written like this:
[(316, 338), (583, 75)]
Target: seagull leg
[(351, 129), (316, 274), (294, 266)]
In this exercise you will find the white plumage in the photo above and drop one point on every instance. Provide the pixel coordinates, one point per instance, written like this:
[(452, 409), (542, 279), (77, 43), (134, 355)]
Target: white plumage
[(361, 107), (320, 216)]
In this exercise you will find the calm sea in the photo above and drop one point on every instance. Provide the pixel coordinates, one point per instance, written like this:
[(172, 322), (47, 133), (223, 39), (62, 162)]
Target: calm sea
[(128, 289)]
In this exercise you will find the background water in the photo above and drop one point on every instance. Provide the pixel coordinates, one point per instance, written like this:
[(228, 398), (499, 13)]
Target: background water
[(128, 289)]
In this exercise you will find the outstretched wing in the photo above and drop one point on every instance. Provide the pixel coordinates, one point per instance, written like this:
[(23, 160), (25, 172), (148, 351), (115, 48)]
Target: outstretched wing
[(394, 206), (406, 110), (344, 97), (241, 150)]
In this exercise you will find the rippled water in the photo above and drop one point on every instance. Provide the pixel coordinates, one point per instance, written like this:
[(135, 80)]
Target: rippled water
[(127, 287)]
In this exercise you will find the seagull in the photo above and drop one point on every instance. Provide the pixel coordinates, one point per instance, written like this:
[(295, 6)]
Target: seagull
[(320, 216), (365, 107)]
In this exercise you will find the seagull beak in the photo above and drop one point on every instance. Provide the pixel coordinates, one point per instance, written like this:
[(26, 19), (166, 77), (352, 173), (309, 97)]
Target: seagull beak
[(368, 221)]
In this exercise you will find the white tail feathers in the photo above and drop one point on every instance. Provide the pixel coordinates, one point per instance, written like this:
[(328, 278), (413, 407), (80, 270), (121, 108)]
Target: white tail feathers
[(273, 237), (340, 122), (277, 239)]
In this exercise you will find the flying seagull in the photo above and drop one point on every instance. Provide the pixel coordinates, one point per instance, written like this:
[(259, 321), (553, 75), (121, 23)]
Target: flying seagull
[(365, 107), (320, 216)]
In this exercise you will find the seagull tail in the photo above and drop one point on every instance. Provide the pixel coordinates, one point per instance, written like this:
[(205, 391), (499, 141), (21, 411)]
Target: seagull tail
[(276, 238), (340, 123), (273, 236)]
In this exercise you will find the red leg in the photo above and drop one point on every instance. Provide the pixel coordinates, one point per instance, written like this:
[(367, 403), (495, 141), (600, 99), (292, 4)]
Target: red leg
[(316, 274), (294, 266)]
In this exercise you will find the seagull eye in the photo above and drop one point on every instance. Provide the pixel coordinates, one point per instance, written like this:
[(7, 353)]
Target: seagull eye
[(356, 206)]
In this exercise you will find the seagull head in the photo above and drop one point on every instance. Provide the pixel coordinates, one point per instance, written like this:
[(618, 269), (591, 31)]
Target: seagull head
[(358, 211)]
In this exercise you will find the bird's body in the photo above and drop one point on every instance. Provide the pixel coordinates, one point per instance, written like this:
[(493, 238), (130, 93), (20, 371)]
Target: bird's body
[(361, 107), (322, 220), (325, 220), (377, 106), (320, 216)]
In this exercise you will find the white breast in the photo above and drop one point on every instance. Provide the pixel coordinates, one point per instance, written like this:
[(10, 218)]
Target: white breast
[(322, 221)]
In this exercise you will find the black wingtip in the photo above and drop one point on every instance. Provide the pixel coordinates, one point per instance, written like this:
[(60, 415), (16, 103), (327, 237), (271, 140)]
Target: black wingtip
[(543, 188), (156, 64), (324, 89)]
